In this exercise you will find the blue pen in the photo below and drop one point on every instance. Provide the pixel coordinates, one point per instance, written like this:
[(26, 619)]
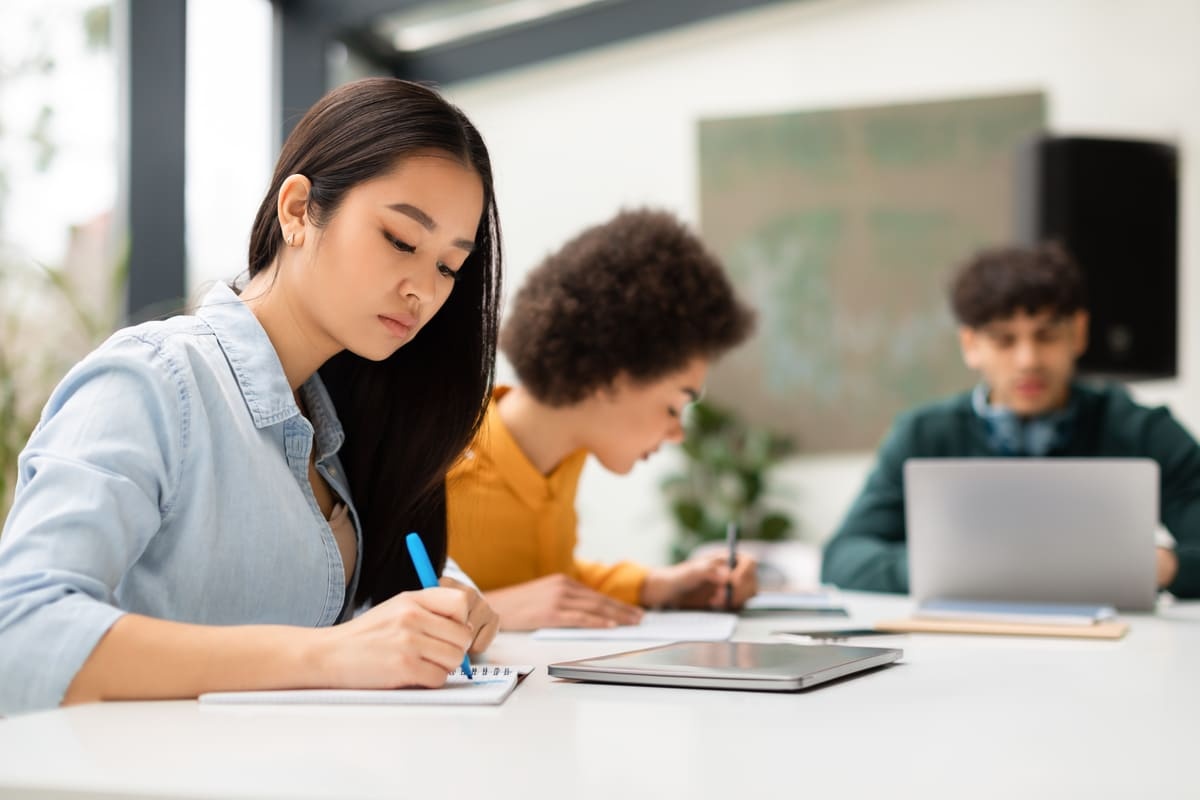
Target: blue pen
[(420, 559)]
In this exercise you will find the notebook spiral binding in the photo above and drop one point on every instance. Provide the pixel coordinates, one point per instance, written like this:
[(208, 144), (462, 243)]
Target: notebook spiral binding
[(484, 671)]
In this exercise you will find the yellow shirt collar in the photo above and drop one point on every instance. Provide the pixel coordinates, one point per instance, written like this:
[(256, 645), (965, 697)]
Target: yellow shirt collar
[(527, 482)]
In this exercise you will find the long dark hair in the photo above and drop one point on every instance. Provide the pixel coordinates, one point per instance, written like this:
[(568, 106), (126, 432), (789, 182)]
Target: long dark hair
[(406, 418)]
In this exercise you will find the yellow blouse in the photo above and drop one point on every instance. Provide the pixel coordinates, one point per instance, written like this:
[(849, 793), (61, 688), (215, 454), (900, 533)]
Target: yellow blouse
[(508, 523)]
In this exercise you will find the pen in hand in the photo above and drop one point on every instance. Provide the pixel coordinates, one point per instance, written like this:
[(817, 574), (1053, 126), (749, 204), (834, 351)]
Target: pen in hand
[(420, 559), (731, 537)]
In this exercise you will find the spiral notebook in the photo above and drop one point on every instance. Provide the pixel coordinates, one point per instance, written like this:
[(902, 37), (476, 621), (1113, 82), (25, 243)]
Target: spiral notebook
[(491, 685)]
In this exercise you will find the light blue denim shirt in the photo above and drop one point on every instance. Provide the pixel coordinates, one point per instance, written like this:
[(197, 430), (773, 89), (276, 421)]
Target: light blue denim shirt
[(168, 477)]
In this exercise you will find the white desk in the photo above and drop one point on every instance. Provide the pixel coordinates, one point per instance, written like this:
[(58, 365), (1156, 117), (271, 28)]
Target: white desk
[(960, 717)]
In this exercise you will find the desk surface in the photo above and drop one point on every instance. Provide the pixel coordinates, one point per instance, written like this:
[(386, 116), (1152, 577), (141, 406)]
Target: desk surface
[(960, 716)]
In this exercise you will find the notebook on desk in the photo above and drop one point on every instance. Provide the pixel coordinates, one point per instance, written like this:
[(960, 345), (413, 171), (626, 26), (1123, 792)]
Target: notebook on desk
[(1016, 613), (1100, 630), (1066, 620), (822, 603), (658, 626), (491, 685)]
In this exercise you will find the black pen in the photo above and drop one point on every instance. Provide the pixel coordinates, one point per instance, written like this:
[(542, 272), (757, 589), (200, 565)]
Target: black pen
[(731, 537)]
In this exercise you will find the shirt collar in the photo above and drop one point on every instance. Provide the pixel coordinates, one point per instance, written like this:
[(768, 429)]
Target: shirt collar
[(1011, 435), (251, 356), (527, 482), (984, 408), (328, 432)]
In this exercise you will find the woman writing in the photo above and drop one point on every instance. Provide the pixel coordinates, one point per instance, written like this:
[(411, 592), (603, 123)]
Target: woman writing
[(206, 496)]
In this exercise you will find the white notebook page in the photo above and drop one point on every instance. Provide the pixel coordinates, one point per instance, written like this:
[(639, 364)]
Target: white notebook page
[(492, 684)]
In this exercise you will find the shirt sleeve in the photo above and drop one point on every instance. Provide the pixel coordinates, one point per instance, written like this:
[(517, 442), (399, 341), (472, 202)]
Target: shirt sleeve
[(622, 580), (1178, 457), (455, 573), (869, 550), (94, 483)]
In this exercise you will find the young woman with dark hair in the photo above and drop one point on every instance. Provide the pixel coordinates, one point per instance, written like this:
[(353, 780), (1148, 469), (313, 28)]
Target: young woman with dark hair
[(207, 495)]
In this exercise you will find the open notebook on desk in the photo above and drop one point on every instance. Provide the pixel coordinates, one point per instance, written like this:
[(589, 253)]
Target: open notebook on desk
[(811, 603), (492, 684), (658, 626)]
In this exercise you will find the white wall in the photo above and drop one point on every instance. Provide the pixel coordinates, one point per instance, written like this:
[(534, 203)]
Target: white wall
[(575, 139), (229, 134), (80, 90)]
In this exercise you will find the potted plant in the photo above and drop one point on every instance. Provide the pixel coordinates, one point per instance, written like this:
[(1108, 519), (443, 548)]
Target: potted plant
[(724, 479)]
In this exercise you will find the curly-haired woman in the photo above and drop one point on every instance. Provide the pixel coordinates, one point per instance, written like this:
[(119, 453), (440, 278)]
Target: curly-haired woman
[(611, 337)]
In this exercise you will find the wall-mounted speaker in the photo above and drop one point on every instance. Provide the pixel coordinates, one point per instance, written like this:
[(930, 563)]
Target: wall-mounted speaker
[(1114, 204)]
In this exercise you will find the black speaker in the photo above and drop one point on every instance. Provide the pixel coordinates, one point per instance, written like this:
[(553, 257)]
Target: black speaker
[(1114, 204)]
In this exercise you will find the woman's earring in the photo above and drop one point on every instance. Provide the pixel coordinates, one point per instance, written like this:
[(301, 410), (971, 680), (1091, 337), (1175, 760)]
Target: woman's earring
[(291, 238)]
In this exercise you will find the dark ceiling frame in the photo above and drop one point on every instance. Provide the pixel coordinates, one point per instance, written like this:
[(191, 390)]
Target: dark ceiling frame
[(303, 32), (305, 29)]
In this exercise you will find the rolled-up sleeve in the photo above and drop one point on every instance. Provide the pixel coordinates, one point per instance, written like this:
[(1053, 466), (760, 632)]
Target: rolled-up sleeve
[(95, 482), (622, 580)]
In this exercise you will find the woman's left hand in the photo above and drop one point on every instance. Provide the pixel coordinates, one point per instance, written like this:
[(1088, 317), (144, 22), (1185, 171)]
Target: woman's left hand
[(484, 621)]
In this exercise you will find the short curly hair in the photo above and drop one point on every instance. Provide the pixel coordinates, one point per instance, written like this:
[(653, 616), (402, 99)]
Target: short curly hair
[(998, 282), (639, 295)]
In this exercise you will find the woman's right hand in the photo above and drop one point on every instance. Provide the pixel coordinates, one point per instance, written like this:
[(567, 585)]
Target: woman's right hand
[(556, 601), (413, 639)]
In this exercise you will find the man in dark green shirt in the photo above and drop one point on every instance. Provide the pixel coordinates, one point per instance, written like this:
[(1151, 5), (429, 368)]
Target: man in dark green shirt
[(1022, 326)]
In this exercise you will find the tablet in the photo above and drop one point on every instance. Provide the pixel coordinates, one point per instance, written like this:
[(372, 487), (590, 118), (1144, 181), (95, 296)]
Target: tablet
[(759, 666)]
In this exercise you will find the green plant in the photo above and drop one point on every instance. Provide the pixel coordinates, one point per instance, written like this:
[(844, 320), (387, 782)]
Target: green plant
[(34, 356), (50, 316), (724, 478)]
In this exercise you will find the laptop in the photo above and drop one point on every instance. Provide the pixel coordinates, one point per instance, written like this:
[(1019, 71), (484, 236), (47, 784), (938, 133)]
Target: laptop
[(758, 666), (1047, 530)]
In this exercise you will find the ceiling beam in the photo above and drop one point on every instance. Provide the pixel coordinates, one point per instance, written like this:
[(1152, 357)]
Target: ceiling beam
[(561, 35)]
